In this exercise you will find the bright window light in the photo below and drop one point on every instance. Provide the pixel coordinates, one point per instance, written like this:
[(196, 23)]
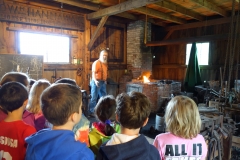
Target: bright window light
[(55, 49), (202, 53)]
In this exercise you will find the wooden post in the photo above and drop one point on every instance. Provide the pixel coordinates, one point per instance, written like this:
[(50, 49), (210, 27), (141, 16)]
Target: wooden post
[(86, 63)]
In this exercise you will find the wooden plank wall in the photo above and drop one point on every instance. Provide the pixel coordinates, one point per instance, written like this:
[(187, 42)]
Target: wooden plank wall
[(78, 48), (169, 61), (8, 45)]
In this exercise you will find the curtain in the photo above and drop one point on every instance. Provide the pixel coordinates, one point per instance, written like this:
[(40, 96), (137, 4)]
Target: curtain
[(193, 76)]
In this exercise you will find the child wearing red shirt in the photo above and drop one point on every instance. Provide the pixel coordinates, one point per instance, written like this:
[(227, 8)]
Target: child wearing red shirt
[(13, 99)]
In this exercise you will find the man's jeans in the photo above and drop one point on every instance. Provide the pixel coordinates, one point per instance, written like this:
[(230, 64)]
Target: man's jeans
[(95, 92)]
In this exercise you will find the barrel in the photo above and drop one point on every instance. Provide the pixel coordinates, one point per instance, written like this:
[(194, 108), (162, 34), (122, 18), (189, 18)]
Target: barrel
[(159, 122)]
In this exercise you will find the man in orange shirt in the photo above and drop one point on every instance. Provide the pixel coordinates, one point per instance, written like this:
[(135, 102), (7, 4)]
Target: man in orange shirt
[(98, 82)]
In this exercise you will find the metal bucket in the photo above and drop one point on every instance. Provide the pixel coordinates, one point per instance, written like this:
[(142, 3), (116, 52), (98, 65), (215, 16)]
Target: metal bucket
[(159, 122)]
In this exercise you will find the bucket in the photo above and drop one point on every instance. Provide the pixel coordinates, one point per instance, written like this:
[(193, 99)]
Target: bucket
[(159, 122)]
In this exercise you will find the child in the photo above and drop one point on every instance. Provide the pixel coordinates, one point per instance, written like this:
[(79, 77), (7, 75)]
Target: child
[(14, 97), (33, 105), (61, 106), (67, 80), (81, 129), (22, 78), (183, 123), (132, 113), (31, 82), (103, 130)]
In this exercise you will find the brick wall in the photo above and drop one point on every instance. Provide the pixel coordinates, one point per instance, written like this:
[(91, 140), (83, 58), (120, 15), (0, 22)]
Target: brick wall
[(139, 57)]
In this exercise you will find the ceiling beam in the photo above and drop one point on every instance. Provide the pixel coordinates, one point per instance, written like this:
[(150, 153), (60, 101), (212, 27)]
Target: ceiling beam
[(94, 7), (177, 8), (80, 4), (201, 24), (211, 7), (99, 27), (150, 20), (157, 14), (188, 40), (119, 8)]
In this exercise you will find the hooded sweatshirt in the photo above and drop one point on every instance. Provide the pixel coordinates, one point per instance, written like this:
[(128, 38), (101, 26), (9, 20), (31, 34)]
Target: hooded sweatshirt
[(50, 144), (122, 147)]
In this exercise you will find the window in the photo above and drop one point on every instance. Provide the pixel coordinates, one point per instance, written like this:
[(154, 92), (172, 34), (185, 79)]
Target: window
[(202, 53), (55, 49)]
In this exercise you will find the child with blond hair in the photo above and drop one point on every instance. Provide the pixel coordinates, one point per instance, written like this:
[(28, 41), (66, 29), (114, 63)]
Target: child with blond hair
[(183, 139), (33, 105)]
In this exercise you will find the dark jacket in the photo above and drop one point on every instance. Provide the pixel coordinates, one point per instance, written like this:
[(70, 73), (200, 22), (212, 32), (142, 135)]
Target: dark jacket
[(136, 149)]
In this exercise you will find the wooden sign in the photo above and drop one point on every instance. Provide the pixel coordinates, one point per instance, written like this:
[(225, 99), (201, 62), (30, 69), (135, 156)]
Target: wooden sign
[(23, 13)]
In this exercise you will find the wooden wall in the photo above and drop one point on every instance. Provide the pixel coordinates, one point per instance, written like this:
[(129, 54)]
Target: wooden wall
[(169, 61), (9, 45), (78, 48)]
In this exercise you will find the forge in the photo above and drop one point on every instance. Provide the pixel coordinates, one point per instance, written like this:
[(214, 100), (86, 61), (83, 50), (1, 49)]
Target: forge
[(156, 90)]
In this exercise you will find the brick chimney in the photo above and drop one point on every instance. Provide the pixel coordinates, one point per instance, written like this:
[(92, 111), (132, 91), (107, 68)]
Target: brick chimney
[(139, 56)]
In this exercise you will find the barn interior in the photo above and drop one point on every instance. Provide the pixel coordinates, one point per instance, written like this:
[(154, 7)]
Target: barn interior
[(149, 44)]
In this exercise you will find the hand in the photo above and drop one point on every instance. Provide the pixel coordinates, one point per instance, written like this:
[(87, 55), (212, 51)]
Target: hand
[(96, 82)]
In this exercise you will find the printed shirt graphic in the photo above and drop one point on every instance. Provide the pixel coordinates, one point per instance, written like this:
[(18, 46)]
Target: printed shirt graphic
[(171, 147), (12, 139)]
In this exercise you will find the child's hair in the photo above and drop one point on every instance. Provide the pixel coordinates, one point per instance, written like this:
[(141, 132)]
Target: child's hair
[(104, 110), (182, 117), (59, 101), (132, 109), (15, 77), (12, 95), (67, 80), (32, 81), (34, 95)]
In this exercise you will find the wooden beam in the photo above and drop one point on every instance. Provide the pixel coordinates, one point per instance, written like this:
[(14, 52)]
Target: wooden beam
[(150, 20), (211, 7), (168, 34), (94, 36), (201, 24), (50, 67), (177, 8), (157, 14), (188, 40), (40, 32), (121, 7), (80, 4), (95, 7)]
